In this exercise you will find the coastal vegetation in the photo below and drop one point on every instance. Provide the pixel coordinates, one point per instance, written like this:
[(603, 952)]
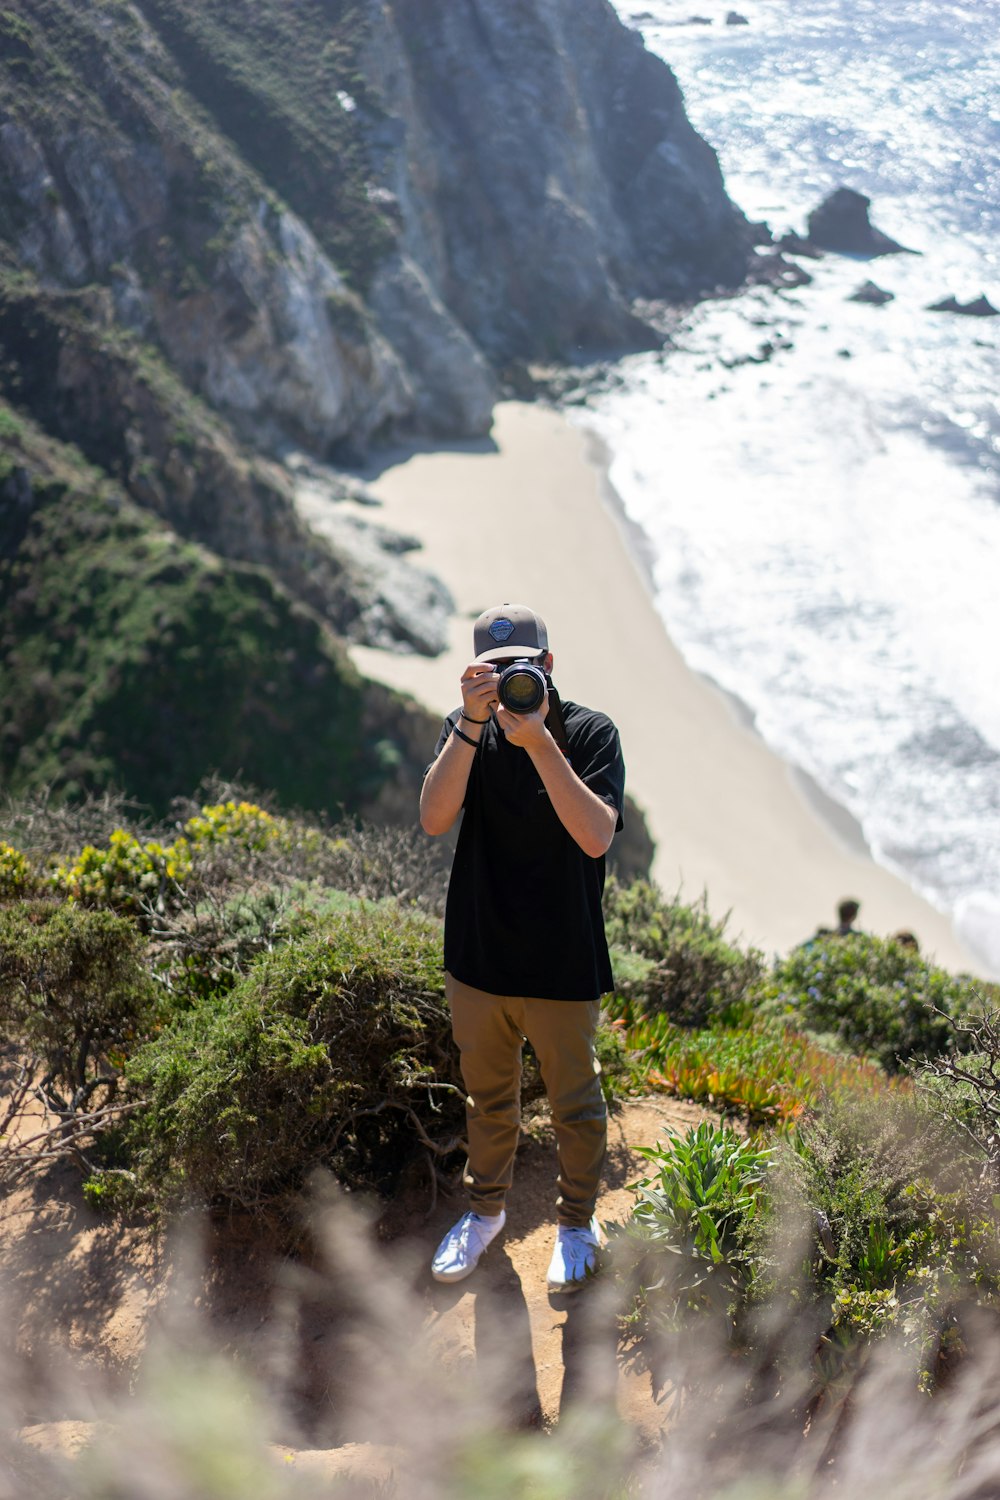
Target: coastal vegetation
[(231, 231), (204, 1011)]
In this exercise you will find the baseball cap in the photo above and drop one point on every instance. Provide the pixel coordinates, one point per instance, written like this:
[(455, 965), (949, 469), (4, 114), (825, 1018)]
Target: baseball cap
[(509, 630)]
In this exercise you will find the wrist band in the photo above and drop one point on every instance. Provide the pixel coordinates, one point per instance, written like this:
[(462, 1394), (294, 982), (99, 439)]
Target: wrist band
[(466, 737), (469, 719)]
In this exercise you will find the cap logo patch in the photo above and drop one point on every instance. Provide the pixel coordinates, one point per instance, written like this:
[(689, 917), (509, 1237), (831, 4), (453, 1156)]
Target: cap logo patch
[(501, 630)]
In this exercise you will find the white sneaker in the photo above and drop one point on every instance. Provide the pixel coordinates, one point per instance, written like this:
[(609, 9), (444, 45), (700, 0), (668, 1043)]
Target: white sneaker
[(574, 1258), (460, 1251)]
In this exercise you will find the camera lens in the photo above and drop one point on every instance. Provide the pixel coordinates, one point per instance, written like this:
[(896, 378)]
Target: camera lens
[(522, 688)]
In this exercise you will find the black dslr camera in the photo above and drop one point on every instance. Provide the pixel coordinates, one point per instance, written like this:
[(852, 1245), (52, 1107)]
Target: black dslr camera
[(522, 686)]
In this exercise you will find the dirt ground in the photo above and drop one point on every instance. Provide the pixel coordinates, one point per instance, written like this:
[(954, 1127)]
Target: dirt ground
[(80, 1294)]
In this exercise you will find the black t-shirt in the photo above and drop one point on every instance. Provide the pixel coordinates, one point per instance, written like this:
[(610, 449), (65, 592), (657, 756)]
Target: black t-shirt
[(524, 903)]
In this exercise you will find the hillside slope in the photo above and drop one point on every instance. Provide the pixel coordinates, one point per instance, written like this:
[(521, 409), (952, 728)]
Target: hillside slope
[(130, 658)]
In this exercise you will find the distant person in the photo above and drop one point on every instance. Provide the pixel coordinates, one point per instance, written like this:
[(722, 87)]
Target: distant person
[(539, 784), (847, 915), (906, 939)]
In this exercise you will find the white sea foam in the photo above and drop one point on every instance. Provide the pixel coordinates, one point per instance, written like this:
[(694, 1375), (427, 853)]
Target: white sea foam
[(825, 512)]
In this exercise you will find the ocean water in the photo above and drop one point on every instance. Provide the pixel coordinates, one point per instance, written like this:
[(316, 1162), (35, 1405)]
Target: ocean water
[(818, 479)]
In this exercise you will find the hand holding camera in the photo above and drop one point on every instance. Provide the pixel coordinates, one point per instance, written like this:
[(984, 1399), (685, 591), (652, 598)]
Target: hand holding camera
[(479, 690)]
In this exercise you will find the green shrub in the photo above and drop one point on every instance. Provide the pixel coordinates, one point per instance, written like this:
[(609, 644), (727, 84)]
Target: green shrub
[(333, 1050), (17, 878), (74, 989), (127, 876), (868, 1214), (696, 974), (685, 1242), (853, 1167), (875, 997)]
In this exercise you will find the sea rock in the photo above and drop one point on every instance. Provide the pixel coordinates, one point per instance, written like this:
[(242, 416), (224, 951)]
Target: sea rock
[(770, 268), (735, 18), (979, 307), (795, 244), (869, 292), (841, 223)]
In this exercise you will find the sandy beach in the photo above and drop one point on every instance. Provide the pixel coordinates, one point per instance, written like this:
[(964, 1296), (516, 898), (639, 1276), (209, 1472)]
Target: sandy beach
[(529, 518)]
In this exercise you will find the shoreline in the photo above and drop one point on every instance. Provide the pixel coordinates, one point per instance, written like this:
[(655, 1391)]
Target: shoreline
[(504, 519)]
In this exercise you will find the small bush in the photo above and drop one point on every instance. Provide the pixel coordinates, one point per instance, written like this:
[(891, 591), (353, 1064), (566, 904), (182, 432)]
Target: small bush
[(877, 998), (128, 876), (241, 821), (333, 1050), (75, 990), (685, 1242), (17, 878), (870, 1201), (696, 974)]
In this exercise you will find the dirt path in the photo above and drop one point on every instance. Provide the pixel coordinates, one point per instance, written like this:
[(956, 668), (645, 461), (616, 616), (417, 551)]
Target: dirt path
[(505, 1314), (84, 1286)]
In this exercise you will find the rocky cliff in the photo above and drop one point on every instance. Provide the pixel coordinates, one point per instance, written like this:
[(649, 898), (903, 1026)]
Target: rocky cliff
[(545, 172), (238, 232), (333, 218)]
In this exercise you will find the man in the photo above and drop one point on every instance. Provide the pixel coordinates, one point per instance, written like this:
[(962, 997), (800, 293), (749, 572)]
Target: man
[(524, 946), (847, 915)]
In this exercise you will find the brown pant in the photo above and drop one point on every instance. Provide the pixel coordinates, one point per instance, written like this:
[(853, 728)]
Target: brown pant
[(489, 1031)]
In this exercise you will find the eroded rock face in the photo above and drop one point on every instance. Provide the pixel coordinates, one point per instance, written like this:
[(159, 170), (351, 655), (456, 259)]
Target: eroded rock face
[(532, 164), (525, 177), (279, 343), (265, 329), (545, 171)]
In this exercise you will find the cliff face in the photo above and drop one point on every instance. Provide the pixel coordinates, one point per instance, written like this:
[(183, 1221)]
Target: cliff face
[(331, 218), (545, 171), (242, 235)]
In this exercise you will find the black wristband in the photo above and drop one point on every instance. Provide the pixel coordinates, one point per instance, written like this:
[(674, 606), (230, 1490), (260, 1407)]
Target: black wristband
[(466, 737), (469, 719)]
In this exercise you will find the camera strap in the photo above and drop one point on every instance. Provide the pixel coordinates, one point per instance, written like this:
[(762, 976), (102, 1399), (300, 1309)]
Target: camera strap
[(554, 720)]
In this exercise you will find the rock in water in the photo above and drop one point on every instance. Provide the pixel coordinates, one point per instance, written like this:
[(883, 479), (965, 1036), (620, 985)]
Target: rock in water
[(869, 292), (979, 307), (841, 223), (794, 244), (733, 18)]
